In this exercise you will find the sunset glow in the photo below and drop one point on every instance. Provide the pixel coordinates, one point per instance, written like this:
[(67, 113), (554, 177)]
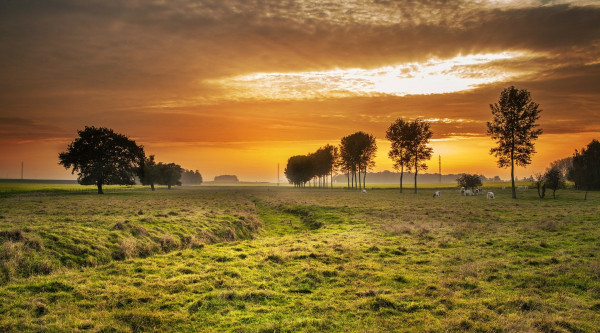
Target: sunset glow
[(237, 87), (434, 76)]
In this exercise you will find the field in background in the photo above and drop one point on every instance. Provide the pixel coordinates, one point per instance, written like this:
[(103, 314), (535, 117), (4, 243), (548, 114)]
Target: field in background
[(270, 259)]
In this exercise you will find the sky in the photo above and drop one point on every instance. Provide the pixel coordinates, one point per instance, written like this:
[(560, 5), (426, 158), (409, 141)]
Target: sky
[(236, 87)]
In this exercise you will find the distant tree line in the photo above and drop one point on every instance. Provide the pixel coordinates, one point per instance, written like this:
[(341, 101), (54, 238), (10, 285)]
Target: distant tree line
[(101, 157), (355, 156)]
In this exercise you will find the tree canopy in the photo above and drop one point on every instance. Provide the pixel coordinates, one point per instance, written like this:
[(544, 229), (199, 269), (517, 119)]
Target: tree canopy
[(418, 134), (514, 128), (553, 179), (100, 157), (469, 181), (299, 170), (585, 171), (150, 174), (357, 153), (397, 134)]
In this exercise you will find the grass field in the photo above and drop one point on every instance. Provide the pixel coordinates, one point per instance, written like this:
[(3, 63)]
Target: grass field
[(268, 259)]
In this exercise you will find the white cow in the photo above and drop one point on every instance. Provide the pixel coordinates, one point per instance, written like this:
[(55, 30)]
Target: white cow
[(437, 194), (490, 195), (468, 193), (477, 191), (364, 191)]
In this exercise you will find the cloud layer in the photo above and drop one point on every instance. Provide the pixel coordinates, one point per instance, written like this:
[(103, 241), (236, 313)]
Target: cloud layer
[(219, 71)]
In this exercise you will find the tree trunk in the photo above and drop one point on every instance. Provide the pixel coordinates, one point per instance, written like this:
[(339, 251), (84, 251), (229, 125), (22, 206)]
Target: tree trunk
[(585, 198), (365, 179), (401, 176), (416, 172), (152, 186), (512, 175), (169, 186), (348, 178), (100, 188)]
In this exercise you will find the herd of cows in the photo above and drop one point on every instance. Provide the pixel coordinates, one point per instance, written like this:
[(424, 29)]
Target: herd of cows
[(477, 191), (465, 192)]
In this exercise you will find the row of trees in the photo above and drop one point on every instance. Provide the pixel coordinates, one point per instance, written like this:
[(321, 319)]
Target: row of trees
[(316, 166), (101, 157), (356, 152)]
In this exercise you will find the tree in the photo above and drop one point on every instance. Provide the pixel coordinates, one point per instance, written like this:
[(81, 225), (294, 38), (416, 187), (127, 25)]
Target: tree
[(190, 177), (554, 180), (150, 174), (102, 157), (540, 184), (397, 135), (170, 174), (418, 136), (357, 152), (514, 128), (299, 170), (585, 171), (469, 181), (563, 165)]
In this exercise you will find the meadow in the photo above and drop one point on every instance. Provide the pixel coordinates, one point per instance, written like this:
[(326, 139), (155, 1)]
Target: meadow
[(269, 259)]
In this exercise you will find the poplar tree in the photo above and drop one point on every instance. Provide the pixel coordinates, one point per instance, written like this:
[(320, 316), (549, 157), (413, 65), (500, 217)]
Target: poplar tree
[(514, 128)]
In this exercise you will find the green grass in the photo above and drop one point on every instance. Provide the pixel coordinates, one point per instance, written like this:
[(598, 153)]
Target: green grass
[(266, 259)]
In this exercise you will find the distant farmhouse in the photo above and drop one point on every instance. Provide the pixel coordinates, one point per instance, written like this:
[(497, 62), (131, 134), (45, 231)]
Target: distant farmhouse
[(226, 179)]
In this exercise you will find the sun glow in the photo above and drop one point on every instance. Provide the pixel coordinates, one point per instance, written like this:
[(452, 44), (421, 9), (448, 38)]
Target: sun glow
[(434, 76)]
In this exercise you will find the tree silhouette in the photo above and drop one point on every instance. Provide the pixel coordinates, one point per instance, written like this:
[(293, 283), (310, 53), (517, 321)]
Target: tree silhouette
[(170, 174), (418, 134), (150, 174), (553, 179), (357, 152), (514, 128), (102, 157), (469, 181), (190, 177), (585, 171), (299, 170), (397, 134)]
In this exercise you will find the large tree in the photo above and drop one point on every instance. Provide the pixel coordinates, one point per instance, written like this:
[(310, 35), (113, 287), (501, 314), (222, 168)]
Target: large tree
[(397, 134), (102, 157), (418, 135), (514, 128), (585, 171)]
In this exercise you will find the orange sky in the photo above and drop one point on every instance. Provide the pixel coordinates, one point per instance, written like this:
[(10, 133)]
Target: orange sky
[(235, 87)]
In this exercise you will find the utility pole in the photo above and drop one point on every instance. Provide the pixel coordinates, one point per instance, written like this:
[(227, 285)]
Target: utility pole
[(440, 167), (21, 170)]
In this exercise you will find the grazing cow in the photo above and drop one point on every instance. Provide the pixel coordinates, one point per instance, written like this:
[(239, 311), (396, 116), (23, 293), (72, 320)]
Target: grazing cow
[(462, 191), (520, 187), (468, 193), (437, 194), (490, 195), (478, 191), (364, 191)]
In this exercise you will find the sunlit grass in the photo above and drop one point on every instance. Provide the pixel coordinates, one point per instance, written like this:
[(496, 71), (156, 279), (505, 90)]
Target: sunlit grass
[(319, 260)]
